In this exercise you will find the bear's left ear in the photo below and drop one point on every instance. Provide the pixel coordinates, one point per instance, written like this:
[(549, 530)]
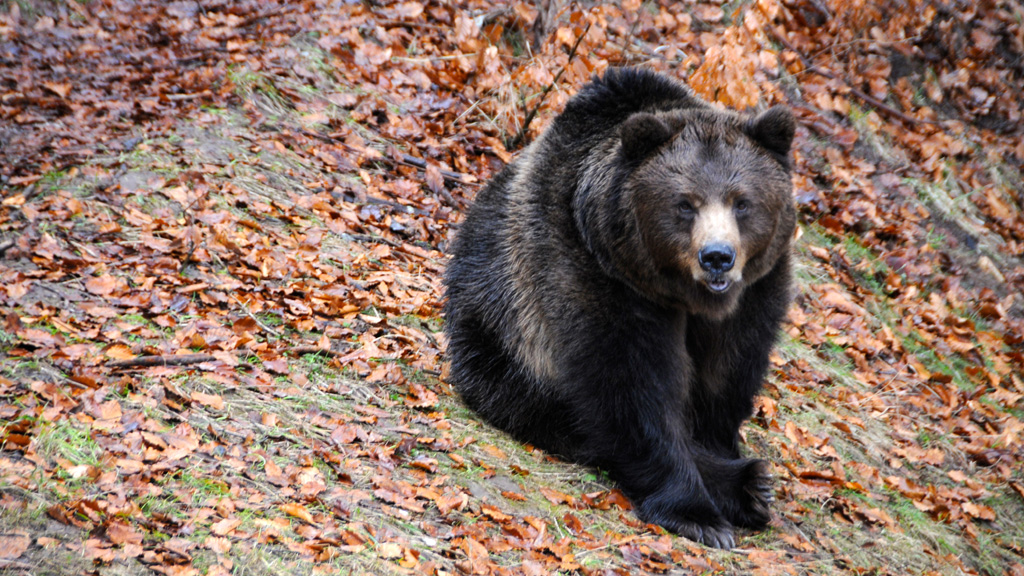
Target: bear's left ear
[(641, 133), (774, 130)]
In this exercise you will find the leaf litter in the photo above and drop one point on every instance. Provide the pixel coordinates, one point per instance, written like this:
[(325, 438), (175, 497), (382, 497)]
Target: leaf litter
[(223, 228)]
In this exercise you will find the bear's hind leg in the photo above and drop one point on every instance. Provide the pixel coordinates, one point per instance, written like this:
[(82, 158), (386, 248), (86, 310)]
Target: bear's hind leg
[(491, 382)]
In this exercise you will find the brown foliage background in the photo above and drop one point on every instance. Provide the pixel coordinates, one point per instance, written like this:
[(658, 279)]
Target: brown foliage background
[(223, 226)]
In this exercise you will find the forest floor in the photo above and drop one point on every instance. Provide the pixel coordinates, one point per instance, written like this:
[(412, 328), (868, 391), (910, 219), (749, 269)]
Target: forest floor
[(223, 227)]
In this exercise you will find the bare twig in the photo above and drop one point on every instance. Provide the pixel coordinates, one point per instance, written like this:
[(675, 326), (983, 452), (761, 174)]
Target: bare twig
[(405, 208), (543, 95), (456, 177), (170, 360), (193, 96), (410, 24), (303, 350), (377, 239), (255, 319)]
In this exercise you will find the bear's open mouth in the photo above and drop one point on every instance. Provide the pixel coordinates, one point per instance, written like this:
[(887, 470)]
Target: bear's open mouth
[(718, 284)]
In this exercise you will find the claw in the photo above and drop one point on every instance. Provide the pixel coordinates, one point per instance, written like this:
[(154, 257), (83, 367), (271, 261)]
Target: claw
[(711, 536)]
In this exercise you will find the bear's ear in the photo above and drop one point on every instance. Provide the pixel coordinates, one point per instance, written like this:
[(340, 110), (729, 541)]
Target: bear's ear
[(774, 130), (641, 133)]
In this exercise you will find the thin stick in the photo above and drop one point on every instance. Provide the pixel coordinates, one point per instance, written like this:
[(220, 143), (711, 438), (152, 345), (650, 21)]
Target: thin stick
[(170, 360), (192, 96), (412, 161), (404, 208), (543, 95), (303, 350), (255, 319)]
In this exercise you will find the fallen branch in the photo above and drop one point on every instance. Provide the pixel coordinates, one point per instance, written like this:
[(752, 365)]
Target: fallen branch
[(369, 238), (193, 96), (456, 177), (448, 175), (882, 106), (403, 160), (303, 350), (543, 95), (353, 198), (170, 360)]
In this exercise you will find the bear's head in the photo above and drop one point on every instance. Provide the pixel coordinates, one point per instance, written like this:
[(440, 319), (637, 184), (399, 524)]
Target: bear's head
[(698, 206)]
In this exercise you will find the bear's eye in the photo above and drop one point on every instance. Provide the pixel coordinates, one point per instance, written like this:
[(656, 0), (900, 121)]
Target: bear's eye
[(741, 206), (685, 208)]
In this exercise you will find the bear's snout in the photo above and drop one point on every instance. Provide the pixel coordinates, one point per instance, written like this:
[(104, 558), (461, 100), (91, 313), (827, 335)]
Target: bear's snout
[(717, 258)]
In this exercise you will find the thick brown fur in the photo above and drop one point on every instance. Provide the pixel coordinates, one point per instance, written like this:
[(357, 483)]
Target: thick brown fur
[(615, 292)]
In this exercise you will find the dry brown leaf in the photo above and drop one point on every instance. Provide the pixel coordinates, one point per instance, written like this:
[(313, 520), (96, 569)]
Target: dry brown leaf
[(13, 545), (212, 400), (297, 510)]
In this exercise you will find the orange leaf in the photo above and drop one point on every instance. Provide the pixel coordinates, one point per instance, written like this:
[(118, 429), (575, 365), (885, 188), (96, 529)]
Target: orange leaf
[(478, 556), (979, 511), (13, 545), (101, 285), (493, 513), (212, 400), (878, 516), (494, 451), (225, 526), (435, 181), (62, 89), (447, 502), (389, 550), (119, 352), (556, 497), (297, 510), (122, 533)]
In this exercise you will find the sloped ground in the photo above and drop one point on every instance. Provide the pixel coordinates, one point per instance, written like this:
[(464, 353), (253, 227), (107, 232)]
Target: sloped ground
[(223, 227)]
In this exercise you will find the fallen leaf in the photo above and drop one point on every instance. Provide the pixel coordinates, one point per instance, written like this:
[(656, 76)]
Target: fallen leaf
[(297, 510), (212, 400), (13, 545)]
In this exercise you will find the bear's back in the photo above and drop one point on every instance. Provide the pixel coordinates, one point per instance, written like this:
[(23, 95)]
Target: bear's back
[(605, 103)]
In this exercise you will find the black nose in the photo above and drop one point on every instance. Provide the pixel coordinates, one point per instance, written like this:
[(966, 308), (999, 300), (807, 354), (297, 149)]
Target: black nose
[(717, 257)]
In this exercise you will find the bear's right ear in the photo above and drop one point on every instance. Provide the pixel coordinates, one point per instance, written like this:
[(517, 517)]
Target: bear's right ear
[(641, 133)]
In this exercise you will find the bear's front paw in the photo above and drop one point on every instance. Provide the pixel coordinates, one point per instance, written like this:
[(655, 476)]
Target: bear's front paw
[(756, 497), (720, 536), (715, 531)]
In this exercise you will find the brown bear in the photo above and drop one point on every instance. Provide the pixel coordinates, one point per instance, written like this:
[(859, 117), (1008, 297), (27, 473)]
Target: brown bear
[(615, 292)]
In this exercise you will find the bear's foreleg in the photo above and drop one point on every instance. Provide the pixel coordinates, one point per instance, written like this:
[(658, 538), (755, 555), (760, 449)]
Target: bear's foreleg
[(741, 488), (731, 358), (634, 432), (682, 503)]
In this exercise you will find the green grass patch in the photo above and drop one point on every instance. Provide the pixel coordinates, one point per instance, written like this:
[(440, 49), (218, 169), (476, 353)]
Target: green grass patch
[(953, 366), (68, 440), (868, 269)]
